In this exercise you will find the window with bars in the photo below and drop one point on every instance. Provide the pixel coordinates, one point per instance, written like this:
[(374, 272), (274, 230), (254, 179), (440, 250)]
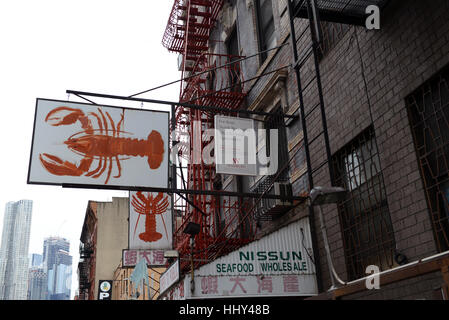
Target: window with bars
[(428, 110), (364, 215)]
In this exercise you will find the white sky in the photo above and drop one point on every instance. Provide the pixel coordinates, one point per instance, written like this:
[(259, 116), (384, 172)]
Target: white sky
[(50, 46)]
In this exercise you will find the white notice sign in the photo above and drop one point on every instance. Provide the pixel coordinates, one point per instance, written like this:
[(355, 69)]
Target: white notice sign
[(235, 146)]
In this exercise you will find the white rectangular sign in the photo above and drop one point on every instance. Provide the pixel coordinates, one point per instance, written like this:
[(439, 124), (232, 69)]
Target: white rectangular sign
[(98, 146), (169, 277), (235, 146), (150, 221)]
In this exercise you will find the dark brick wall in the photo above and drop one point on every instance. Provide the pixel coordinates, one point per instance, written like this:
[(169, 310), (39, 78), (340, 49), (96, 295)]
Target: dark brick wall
[(411, 47)]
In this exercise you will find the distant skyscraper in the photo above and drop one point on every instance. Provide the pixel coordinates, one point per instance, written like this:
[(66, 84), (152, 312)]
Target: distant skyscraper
[(57, 264), (37, 278), (14, 250), (35, 260), (38, 284)]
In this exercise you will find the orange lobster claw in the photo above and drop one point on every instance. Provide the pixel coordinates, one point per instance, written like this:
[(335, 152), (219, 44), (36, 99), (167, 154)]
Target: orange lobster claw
[(64, 168), (156, 146), (65, 116)]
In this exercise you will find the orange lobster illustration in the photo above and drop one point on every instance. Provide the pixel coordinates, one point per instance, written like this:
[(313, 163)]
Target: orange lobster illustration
[(150, 207), (104, 144)]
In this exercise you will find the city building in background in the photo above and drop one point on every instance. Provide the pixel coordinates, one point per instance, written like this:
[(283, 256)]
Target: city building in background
[(14, 250), (57, 264), (103, 236), (37, 284), (35, 260), (104, 240)]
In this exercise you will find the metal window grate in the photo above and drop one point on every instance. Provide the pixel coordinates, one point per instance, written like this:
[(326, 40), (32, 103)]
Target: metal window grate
[(428, 110), (364, 215)]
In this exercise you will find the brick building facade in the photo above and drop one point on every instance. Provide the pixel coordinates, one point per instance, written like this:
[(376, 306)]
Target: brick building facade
[(386, 98)]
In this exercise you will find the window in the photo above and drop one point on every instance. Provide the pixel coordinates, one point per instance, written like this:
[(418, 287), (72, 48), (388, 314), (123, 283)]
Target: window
[(265, 27), (364, 214), (428, 110), (234, 69)]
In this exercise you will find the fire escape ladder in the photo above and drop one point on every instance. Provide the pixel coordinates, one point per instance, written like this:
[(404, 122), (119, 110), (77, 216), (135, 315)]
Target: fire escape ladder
[(310, 91)]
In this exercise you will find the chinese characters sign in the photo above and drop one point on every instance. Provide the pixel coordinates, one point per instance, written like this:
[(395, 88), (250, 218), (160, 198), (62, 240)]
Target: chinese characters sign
[(154, 258), (243, 286), (235, 286)]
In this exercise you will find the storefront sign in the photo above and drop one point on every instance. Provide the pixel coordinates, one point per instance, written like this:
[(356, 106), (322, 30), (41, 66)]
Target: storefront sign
[(277, 265), (154, 258), (95, 146), (286, 251)]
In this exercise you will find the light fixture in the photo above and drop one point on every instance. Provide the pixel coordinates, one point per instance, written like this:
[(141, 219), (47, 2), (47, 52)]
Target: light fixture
[(400, 258), (171, 254), (192, 229), (327, 195)]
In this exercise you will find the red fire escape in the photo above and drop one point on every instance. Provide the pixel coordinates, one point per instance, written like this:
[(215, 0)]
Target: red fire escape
[(223, 227)]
